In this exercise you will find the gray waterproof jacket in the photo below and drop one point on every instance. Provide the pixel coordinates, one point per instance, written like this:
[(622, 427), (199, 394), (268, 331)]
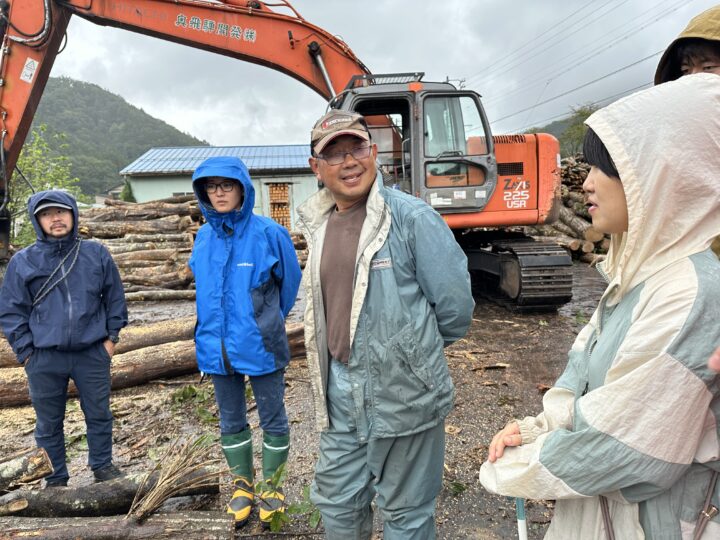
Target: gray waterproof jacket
[(411, 297)]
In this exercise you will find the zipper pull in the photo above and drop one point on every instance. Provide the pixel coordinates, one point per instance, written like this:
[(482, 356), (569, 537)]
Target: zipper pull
[(587, 386)]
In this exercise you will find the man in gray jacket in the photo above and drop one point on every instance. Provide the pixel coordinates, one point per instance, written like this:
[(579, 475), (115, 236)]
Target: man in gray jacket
[(387, 289)]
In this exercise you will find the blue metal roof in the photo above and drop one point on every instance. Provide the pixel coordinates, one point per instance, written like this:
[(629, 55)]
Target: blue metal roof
[(181, 160)]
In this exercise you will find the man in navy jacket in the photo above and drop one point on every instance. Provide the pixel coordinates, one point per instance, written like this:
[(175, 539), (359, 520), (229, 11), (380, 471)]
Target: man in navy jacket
[(62, 306)]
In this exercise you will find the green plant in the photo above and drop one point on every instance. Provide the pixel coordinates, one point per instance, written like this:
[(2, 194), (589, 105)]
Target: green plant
[(306, 508), (43, 169), (127, 194), (198, 397), (580, 317)]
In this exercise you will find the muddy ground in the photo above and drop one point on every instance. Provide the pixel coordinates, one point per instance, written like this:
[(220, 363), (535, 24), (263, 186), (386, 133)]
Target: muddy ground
[(500, 370)]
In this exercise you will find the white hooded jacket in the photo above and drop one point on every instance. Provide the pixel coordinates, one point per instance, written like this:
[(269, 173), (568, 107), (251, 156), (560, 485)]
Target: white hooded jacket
[(634, 417)]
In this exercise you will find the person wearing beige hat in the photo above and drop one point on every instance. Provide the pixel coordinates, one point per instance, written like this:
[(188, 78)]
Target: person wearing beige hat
[(696, 49), (387, 288)]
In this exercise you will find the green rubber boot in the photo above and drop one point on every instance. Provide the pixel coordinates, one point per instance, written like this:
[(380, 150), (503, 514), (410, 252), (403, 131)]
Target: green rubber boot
[(272, 498), (237, 448)]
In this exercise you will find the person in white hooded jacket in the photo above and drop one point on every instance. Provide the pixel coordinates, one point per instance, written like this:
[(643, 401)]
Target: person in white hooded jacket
[(628, 437)]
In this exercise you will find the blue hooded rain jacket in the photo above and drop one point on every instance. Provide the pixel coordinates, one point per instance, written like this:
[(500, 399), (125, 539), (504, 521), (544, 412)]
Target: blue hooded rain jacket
[(247, 277), (84, 308)]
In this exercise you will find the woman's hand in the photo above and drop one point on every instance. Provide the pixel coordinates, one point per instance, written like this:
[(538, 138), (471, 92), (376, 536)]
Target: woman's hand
[(507, 436)]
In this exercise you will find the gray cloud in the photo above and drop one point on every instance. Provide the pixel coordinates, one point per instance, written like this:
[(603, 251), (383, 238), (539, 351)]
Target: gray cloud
[(229, 102)]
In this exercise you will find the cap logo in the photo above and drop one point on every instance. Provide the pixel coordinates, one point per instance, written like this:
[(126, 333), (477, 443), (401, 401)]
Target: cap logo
[(327, 123)]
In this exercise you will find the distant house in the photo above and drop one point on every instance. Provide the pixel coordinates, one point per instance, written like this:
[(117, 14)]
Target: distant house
[(281, 175)]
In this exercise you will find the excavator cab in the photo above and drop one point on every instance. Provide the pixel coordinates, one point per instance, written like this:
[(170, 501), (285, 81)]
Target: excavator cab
[(433, 140)]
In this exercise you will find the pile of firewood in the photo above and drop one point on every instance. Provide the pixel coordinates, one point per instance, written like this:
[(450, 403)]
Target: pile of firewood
[(573, 230), (154, 351)]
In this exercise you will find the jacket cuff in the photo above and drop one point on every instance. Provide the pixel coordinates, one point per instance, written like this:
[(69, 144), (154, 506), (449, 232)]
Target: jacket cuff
[(529, 430), (23, 355)]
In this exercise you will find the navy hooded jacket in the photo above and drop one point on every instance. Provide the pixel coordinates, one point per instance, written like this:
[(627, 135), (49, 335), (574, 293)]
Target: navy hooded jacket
[(84, 308), (246, 278)]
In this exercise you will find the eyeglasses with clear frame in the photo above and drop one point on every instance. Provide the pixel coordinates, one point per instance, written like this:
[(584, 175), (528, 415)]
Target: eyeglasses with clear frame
[(226, 186), (336, 158)]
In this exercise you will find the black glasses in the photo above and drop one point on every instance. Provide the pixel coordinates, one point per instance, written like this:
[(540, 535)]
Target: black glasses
[(224, 186), (336, 158)]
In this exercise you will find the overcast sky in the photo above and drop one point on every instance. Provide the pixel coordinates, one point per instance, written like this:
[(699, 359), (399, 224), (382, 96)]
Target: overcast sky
[(517, 54)]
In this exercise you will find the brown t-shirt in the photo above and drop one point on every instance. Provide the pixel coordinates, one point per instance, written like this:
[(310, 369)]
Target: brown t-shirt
[(337, 272)]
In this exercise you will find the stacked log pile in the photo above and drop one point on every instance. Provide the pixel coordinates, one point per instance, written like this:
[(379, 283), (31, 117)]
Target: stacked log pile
[(151, 244), (145, 353), (573, 230)]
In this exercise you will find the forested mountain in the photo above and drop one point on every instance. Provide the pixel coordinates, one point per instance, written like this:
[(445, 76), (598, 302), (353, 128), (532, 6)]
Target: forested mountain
[(103, 132)]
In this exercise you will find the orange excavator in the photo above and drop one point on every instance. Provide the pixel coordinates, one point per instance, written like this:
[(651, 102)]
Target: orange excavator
[(433, 139)]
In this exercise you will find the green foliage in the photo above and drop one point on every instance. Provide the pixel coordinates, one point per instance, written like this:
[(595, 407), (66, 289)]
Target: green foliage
[(197, 398), (104, 132), (44, 169), (569, 131), (127, 194), (571, 140), (457, 488), (306, 508)]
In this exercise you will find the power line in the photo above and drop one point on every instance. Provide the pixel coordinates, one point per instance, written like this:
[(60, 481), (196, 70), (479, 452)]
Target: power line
[(580, 87), (566, 115), (589, 55), (534, 39), (495, 74)]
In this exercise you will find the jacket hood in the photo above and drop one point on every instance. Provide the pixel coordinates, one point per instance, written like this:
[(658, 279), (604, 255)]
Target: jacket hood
[(664, 142), (225, 167), (703, 26), (57, 196)]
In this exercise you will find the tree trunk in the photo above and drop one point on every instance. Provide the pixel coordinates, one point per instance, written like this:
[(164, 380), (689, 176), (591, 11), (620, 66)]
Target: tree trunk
[(117, 249), (178, 199), (129, 369), (582, 228), (25, 468), (135, 367), (154, 255), (156, 238), (115, 229), (7, 356), (186, 525), (136, 212), (100, 499), (139, 337), (159, 295)]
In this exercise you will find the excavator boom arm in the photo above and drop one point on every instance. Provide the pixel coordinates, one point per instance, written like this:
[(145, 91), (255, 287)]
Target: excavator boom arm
[(33, 32)]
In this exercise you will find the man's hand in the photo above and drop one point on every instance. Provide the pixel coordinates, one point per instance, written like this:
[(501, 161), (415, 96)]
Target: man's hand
[(109, 347), (507, 436), (714, 361)]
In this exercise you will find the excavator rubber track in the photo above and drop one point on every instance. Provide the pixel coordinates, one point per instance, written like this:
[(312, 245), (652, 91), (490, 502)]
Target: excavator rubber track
[(519, 272)]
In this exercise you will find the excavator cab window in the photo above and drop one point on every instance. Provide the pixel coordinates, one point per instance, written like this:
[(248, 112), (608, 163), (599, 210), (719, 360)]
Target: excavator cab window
[(453, 128), (389, 124)]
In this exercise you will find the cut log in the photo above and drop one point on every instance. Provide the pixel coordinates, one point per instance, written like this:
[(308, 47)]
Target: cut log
[(186, 525), (100, 499), (129, 369), (153, 255), (115, 229), (7, 356), (135, 212), (182, 258), (159, 295), (582, 228), (117, 249), (132, 368), (25, 468), (139, 337), (170, 200), (156, 238), (560, 227)]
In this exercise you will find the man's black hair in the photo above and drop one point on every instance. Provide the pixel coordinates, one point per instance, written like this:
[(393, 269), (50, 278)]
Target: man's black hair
[(597, 155), (696, 50)]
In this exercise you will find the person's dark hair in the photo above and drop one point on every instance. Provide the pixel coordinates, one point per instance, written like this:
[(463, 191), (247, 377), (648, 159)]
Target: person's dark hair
[(696, 50), (597, 155)]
